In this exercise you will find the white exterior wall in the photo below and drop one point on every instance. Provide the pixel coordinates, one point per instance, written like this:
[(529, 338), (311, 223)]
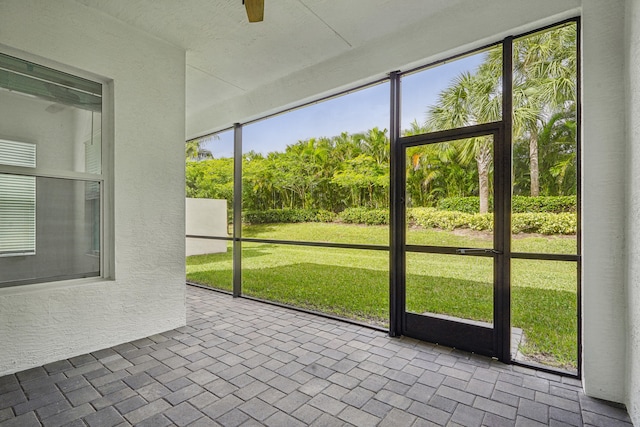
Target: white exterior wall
[(633, 207), (603, 203), (51, 321), (206, 217)]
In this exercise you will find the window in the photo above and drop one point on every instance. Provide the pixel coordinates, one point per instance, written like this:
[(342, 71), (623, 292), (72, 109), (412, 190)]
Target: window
[(51, 174)]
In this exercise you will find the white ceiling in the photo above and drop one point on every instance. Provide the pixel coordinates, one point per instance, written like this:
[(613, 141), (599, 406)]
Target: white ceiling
[(228, 57), (237, 71)]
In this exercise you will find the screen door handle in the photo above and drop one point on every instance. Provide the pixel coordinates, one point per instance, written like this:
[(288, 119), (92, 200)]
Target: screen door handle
[(471, 251)]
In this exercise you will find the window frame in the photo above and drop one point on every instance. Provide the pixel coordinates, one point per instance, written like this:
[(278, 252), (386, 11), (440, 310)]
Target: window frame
[(103, 179)]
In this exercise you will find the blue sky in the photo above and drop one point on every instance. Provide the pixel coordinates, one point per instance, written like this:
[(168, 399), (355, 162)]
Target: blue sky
[(352, 113)]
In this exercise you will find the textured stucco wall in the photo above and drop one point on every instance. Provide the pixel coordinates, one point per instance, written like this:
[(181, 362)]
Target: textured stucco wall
[(604, 146), (206, 217), (633, 207), (47, 322)]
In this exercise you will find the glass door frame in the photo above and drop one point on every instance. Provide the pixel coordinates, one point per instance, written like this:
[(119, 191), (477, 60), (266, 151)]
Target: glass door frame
[(492, 342)]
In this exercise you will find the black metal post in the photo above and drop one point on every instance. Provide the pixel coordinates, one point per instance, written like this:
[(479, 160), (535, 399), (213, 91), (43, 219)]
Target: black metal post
[(502, 233), (237, 209), (396, 266)]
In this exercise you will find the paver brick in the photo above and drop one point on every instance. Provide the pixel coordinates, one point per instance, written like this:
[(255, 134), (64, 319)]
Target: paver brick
[(393, 399), (183, 394), (601, 420), (429, 413), (281, 419), (32, 405), (183, 414), (271, 395), (314, 386), (130, 404), (443, 403), (558, 402), (457, 395), (113, 398), (82, 395), (147, 411), (357, 397), (358, 418), (533, 410), (107, 417), (153, 391), (283, 384), (528, 422), (326, 420), (257, 409), (307, 413), (565, 417), (235, 417), (479, 388), (245, 393), (157, 420), (493, 420), (68, 416), (25, 420), (396, 417), (516, 390), (327, 404), (222, 406), (53, 409), (497, 408)]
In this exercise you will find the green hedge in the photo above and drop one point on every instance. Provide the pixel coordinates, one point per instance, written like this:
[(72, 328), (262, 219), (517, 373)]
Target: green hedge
[(520, 204), (543, 222), (287, 216), (364, 216)]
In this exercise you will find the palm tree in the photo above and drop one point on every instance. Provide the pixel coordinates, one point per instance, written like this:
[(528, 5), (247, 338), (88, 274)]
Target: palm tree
[(544, 84), (194, 150), (544, 75), (471, 99)]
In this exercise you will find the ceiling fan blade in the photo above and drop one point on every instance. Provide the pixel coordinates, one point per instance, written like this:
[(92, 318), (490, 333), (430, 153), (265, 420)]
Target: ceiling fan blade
[(255, 10)]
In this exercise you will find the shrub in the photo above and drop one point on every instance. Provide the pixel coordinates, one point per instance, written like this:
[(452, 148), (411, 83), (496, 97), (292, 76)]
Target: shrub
[(562, 223), (433, 218), (548, 204), (520, 204), (470, 205), (481, 222), (543, 223), (287, 216), (325, 216), (364, 216)]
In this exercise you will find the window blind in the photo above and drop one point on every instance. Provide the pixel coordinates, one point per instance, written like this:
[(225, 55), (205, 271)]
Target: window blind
[(17, 200)]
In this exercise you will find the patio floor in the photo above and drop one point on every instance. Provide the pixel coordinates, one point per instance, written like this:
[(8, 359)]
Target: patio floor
[(240, 362)]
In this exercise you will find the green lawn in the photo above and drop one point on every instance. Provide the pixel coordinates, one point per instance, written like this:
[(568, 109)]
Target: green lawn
[(354, 283)]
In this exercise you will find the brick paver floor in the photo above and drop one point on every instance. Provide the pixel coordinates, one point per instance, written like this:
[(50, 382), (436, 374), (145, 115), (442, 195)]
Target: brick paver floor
[(240, 362)]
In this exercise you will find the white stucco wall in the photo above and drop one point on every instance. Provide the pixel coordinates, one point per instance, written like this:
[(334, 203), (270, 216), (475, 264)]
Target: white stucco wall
[(206, 217), (633, 207), (51, 321), (603, 210)]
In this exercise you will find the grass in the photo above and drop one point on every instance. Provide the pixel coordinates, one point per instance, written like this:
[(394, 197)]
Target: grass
[(355, 283)]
